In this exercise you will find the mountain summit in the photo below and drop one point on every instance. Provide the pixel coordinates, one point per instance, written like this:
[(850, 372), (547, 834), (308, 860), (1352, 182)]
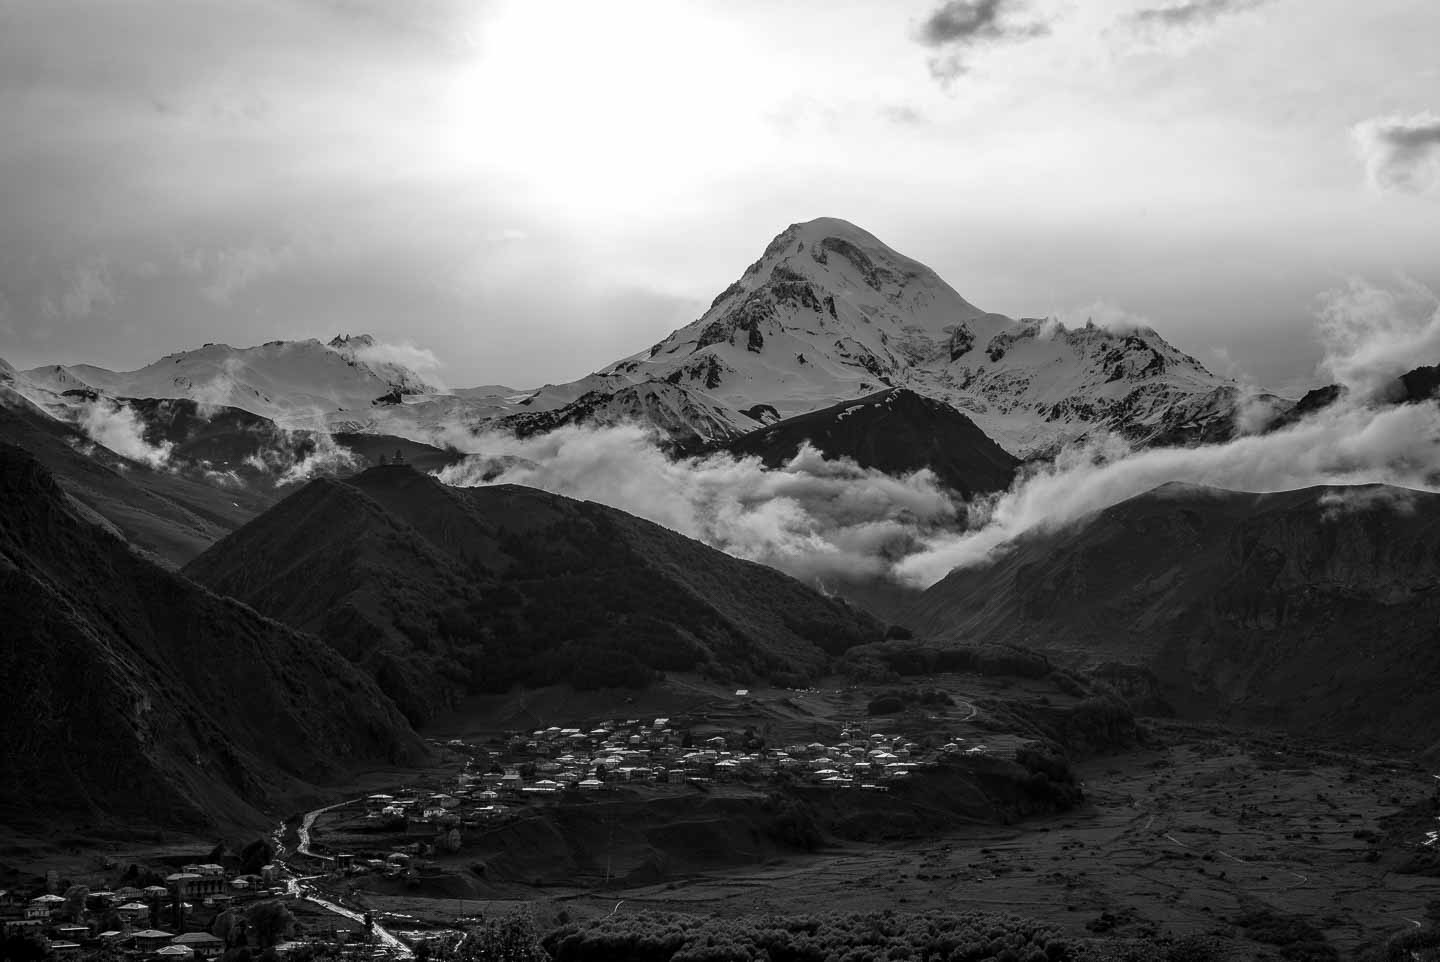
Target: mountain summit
[(830, 313)]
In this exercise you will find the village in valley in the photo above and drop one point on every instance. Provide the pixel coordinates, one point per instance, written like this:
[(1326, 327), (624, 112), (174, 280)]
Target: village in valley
[(695, 798), (170, 917), (397, 836), (513, 773)]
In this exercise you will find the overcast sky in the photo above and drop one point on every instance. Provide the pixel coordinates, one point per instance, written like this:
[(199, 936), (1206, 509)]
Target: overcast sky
[(532, 188)]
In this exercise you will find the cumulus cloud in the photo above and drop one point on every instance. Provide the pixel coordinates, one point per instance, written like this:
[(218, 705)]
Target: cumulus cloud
[(1373, 334), (1401, 153), (957, 27), (1192, 13), (114, 425), (813, 517)]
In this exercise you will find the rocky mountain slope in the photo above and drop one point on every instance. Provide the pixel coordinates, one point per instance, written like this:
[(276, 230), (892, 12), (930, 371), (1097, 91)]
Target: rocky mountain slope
[(128, 692), (440, 591), (169, 516), (1313, 609), (830, 313), (896, 431)]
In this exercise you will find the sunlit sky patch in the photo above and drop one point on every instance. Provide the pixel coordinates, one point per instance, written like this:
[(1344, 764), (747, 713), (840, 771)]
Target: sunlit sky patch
[(534, 189)]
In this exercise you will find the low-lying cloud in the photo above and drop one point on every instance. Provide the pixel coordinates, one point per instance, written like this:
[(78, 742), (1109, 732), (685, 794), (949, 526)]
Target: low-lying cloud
[(1401, 153), (1374, 334), (115, 425), (417, 368), (820, 519), (421, 360), (813, 517), (1354, 445), (304, 455)]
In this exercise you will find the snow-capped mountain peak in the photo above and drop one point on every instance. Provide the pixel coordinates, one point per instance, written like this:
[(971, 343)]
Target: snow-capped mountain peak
[(830, 312)]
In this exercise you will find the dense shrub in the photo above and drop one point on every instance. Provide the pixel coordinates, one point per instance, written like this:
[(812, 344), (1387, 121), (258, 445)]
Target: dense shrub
[(1296, 938), (886, 705), (652, 937)]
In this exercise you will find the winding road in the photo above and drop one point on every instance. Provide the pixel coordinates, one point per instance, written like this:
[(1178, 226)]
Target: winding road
[(302, 847)]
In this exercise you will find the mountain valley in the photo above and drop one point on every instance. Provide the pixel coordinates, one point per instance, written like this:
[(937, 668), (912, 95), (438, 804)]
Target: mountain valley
[(303, 582)]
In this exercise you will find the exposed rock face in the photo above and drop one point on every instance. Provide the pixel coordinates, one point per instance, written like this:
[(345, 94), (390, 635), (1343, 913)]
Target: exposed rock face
[(684, 419)]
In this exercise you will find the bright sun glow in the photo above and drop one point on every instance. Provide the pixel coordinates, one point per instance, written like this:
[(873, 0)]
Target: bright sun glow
[(598, 106)]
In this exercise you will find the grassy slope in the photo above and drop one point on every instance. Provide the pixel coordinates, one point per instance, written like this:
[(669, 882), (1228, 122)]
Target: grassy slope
[(440, 590), (1279, 609)]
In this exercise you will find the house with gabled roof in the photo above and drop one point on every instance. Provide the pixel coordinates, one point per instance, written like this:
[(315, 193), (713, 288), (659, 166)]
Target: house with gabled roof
[(151, 940), (203, 944)]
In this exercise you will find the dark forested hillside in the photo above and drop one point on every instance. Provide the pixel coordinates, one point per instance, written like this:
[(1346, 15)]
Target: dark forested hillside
[(1315, 608), (439, 591), (895, 431), (169, 516), (127, 691)]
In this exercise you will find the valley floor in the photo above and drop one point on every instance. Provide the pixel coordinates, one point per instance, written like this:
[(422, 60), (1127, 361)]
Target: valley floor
[(1183, 839), (1183, 836)]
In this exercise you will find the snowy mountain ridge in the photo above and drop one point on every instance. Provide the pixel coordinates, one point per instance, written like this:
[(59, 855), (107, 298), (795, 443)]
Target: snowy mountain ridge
[(828, 313), (285, 381)]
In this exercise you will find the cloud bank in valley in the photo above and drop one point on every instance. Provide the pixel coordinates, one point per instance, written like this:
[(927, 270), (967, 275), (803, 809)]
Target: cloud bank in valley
[(1355, 445), (814, 518), (820, 519), (1372, 335)]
